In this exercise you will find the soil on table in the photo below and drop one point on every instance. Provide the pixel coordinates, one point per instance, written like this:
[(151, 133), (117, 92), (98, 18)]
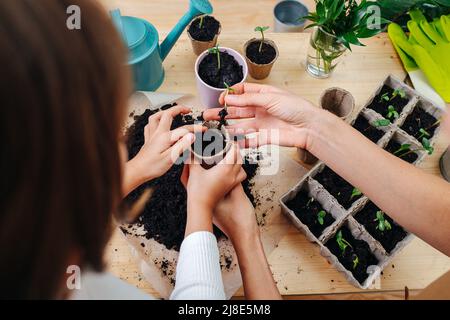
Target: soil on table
[(164, 215), (265, 56), (381, 106), (393, 146), (358, 249), (209, 143), (337, 187), (388, 238), (372, 133), (207, 31), (230, 72), (307, 209), (420, 119)]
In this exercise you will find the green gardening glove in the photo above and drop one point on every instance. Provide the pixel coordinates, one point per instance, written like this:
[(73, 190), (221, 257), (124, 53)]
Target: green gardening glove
[(429, 47)]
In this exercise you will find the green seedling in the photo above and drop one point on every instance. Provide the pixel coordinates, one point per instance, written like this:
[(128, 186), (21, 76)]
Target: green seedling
[(381, 123), (392, 113), (383, 224), (399, 92), (385, 97), (200, 25), (423, 134), (355, 193), (426, 144), (403, 150), (355, 262), (321, 216), (261, 29), (229, 90), (215, 50), (342, 243)]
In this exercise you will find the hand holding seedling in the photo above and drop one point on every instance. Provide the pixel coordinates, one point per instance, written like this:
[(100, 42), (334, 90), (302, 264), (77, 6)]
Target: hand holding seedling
[(262, 30), (267, 108), (216, 50), (161, 149)]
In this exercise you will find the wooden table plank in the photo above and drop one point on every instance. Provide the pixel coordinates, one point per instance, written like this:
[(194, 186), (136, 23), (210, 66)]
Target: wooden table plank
[(297, 265)]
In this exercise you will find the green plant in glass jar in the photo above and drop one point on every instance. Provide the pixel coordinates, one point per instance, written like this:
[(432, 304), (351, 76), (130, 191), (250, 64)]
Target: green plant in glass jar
[(338, 25)]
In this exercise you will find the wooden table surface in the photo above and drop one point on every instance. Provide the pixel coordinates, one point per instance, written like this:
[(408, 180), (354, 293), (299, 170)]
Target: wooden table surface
[(297, 265)]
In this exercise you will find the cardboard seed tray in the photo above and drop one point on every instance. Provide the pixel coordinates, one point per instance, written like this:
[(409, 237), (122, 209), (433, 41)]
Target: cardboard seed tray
[(345, 217)]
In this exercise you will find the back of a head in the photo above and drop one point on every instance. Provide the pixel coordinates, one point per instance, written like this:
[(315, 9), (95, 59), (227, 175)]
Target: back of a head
[(62, 96)]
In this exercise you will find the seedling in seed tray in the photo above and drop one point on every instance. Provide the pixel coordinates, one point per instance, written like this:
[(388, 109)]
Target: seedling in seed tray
[(261, 29), (342, 243), (320, 217), (355, 193), (385, 97), (399, 92), (426, 144), (392, 113), (383, 224), (381, 123), (423, 134), (355, 261), (215, 50)]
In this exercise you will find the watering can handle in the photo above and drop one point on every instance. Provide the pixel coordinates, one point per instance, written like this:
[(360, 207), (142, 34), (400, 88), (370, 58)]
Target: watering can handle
[(117, 19)]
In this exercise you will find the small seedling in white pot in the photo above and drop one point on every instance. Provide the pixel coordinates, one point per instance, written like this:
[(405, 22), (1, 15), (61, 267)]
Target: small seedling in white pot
[(261, 54)]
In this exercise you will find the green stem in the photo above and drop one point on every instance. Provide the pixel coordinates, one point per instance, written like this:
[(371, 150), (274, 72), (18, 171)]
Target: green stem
[(262, 41), (218, 59)]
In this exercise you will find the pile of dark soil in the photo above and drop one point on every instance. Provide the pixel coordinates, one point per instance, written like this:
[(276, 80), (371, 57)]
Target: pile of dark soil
[(358, 249), (393, 146), (266, 56), (207, 31), (420, 119), (307, 209), (381, 105), (230, 71), (337, 187), (164, 216), (388, 238), (369, 131)]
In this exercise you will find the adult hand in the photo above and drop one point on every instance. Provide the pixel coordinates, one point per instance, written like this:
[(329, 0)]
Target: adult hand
[(267, 108)]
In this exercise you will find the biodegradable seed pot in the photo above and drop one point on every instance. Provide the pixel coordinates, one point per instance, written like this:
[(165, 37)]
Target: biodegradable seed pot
[(210, 147), (203, 32), (260, 63), (338, 101), (214, 70)]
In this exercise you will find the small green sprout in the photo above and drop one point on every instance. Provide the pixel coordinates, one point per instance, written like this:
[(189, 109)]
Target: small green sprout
[(381, 123), (403, 150), (355, 262), (320, 217), (399, 92), (355, 193), (385, 97), (200, 25), (423, 134), (383, 224), (229, 90), (392, 113), (426, 144), (342, 243), (311, 200), (215, 50), (261, 29)]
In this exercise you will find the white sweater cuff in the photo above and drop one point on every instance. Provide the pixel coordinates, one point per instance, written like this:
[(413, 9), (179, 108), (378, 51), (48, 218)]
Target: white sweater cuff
[(198, 271)]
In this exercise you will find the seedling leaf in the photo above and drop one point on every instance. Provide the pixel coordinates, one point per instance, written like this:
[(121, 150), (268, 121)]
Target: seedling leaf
[(355, 193), (423, 133), (262, 30), (399, 92), (320, 217), (355, 262), (403, 148), (383, 224), (426, 144), (392, 113), (381, 123), (342, 243), (384, 97)]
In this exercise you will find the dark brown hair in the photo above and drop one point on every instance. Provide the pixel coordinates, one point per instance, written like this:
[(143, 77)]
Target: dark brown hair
[(62, 96)]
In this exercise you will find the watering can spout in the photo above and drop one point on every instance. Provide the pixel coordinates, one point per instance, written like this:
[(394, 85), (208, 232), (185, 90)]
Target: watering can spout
[(197, 7)]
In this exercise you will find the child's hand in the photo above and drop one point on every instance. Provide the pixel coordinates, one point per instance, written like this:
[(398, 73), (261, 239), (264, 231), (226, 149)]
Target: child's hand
[(161, 149), (235, 216)]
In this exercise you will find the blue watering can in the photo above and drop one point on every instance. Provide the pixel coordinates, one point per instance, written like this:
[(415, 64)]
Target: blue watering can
[(145, 53)]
